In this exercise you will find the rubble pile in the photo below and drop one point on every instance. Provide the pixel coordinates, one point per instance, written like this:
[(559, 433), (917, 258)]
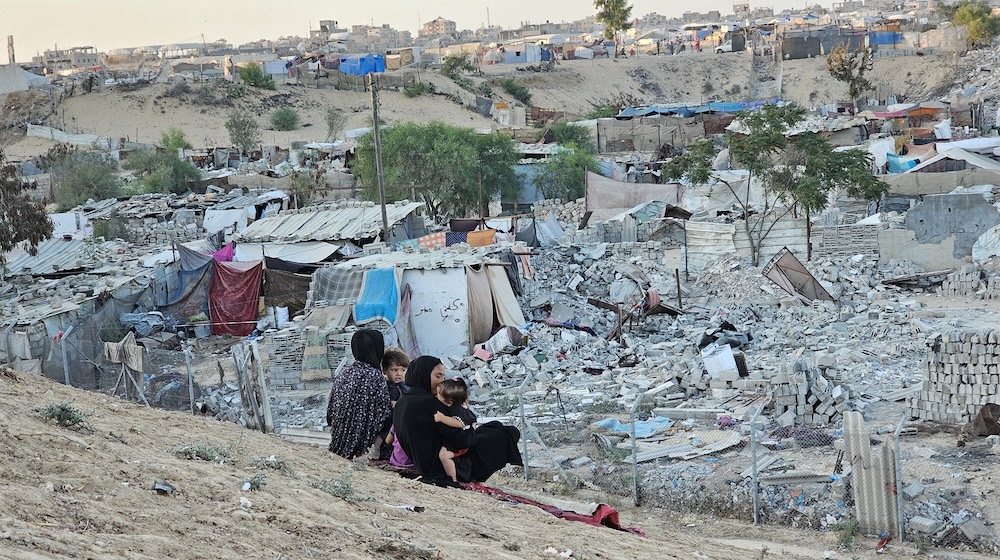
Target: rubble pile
[(803, 395), (960, 375), (982, 81), (568, 214), (971, 282), (151, 231)]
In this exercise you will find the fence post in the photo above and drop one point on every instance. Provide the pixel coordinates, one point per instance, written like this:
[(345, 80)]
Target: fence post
[(187, 363), (899, 478), (65, 359), (524, 424), (755, 478), (635, 453)]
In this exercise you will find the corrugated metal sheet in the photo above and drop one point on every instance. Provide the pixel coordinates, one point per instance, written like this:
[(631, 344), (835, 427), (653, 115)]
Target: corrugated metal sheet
[(356, 221), (873, 477), (431, 260), (710, 242), (54, 256)]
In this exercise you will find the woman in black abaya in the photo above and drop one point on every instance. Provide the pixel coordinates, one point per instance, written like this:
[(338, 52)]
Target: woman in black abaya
[(491, 446)]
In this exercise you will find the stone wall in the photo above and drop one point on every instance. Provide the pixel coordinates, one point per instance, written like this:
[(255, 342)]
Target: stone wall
[(284, 352), (961, 374), (845, 241), (151, 231)]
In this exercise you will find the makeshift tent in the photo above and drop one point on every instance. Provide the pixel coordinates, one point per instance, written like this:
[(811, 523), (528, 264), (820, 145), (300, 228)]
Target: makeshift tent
[(362, 64), (788, 273), (234, 297), (286, 289), (606, 197)]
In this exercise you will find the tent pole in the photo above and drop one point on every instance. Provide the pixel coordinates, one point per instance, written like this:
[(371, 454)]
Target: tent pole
[(373, 80)]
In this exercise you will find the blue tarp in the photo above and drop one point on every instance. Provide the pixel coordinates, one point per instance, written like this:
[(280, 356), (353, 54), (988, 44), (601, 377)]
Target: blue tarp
[(885, 37), (643, 428), (899, 164), (380, 296), (362, 64)]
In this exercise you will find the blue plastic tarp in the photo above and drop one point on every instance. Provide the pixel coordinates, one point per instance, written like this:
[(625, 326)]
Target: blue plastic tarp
[(899, 164), (362, 64), (379, 298), (643, 428), (885, 37)]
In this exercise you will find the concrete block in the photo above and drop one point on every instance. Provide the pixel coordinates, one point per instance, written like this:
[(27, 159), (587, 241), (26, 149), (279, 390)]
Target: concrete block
[(924, 525), (911, 491)]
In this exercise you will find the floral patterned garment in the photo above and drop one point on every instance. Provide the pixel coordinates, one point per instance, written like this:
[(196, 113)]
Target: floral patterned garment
[(359, 405)]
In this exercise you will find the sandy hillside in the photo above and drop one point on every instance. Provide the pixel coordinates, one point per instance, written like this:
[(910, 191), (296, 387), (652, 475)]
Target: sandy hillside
[(575, 86), (87, 494)]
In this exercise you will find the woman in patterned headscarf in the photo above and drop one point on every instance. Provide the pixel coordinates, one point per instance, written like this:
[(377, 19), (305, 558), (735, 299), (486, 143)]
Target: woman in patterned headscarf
[(359, 399)]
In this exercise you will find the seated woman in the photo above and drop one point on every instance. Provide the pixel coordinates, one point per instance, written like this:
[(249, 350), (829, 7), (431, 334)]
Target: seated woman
[(490, 446), (359, 398)]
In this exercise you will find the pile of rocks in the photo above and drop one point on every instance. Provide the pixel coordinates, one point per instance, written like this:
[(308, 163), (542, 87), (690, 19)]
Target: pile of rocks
[(568, 214), (969, 281), (960, 375), (151, 231)]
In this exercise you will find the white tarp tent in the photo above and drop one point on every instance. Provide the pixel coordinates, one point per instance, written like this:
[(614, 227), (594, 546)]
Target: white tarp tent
[(14, 78)]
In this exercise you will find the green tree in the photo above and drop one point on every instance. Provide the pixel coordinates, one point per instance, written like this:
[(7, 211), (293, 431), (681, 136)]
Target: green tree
[(22, 220), (616, 15), (162, 172), (567, 133), (335, 121), (850, 67), (81, 176), (794, 173), (244, 132), (174, 140), (977, 16), (285, 118), (254, 75), (565, 175), (440, 165), (454, 65)]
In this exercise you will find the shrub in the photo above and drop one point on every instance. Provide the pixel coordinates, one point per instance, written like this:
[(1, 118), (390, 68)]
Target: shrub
[(80, 176), (174, 140), (485, 90), (253, 74), (244, 132), (335, 120), (163, 172), (416, 90), (285, 118), (516, 90), (64, 414)]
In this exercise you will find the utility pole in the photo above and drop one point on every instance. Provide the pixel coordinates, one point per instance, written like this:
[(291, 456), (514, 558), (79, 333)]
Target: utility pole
[(373, 84), (10, 50)]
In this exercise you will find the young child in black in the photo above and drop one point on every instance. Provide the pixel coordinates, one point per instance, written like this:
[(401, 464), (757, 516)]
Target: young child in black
[(454, 394)]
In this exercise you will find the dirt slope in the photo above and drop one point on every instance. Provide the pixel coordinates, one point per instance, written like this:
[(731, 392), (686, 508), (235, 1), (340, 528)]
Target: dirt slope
[(87, 494)]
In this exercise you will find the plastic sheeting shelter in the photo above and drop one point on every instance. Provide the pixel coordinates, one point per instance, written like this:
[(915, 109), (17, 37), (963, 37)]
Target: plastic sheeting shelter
[(788, 273), (362, 64)]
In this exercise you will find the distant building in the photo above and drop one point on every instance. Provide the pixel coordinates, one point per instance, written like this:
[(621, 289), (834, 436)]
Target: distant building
[(437, 27), (848, 6), (64, 59), (654, 20), (694, 17)]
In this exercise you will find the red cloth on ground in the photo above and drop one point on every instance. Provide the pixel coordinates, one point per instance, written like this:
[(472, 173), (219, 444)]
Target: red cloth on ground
[(605, 515), (233, 296)]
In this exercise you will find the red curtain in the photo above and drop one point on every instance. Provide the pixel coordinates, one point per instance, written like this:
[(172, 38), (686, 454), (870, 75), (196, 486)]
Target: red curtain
[(233, 296)]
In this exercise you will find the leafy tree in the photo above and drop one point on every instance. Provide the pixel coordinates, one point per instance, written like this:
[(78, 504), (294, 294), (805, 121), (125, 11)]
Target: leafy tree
[(81, 176), (850, 67), (795, 173), (174, 140), (163, 172), (456, 64), (449, 168), (244, 132), (616, 15), (285, 118), (978, 19), (253, 74), (516, 90), (335, 121), (566, 133), (565, 176), (21, 219)]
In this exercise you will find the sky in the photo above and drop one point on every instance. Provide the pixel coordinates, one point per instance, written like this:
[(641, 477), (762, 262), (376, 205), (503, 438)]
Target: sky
[(107, 24)]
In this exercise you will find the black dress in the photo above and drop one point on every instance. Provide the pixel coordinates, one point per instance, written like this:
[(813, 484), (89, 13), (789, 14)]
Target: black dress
[(491, 446)]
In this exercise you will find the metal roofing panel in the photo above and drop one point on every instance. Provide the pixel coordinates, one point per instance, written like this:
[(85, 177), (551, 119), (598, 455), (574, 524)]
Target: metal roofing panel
[(326, 224), (54, 256), (430, 260)]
